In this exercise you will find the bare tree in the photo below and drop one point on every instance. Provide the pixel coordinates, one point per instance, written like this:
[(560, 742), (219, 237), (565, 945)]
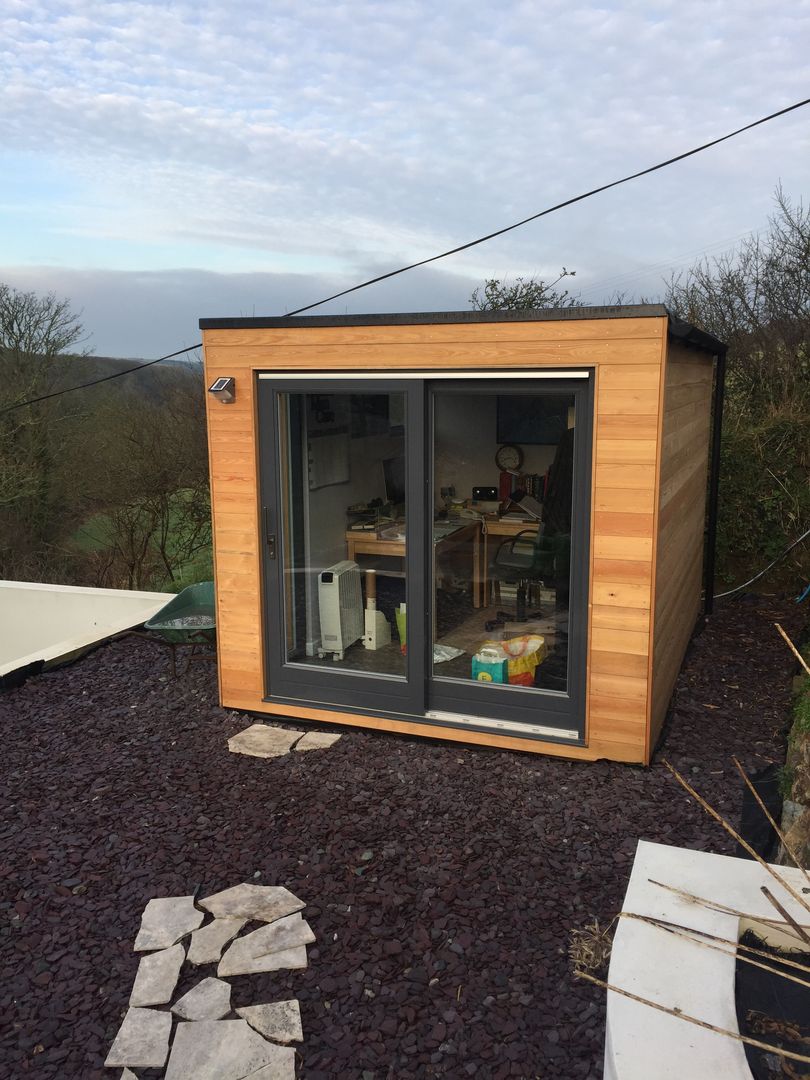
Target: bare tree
[(38, 335), (523, 294)]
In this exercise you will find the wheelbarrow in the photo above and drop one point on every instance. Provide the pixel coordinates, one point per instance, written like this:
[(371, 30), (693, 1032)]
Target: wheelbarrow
[(188, 619)]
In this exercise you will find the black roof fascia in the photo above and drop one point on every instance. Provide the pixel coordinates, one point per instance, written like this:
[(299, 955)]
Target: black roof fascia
[(678, 329)]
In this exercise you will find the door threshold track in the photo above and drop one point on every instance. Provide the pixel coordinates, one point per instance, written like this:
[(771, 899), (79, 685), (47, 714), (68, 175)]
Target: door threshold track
[(513, 727)]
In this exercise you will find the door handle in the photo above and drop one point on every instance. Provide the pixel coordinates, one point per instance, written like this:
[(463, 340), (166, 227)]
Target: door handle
[(270, 537)]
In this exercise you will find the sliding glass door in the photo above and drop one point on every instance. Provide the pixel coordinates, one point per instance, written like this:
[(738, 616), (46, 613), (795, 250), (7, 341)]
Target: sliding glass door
[(510, 490), (426, 547), (342, 488)]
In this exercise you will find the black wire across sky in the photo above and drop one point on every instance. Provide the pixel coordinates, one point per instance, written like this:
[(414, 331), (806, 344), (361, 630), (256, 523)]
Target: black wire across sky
[(445, 254)]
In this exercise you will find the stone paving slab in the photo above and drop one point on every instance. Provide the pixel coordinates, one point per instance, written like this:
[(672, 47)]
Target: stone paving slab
[(283, 1068), (279, 1021), (127, 1074), (165, 921), (208, 1000), (157, 977), (316, 740), (263, 903), (287, 959), (219, 1050), (142, 1040), (208, 942), (249, 954), (261, 740)]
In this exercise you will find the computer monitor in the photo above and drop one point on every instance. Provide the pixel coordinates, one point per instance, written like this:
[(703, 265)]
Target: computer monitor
[(394, 474)]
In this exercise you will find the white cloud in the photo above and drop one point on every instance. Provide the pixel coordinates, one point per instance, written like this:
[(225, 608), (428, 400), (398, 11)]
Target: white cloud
[(244, 135)]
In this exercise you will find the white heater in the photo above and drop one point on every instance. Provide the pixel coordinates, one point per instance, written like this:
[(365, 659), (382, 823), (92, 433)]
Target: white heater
[(340, 603)]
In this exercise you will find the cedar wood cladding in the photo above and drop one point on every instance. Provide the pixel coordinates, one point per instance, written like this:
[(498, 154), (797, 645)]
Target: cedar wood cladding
[(635, 518)]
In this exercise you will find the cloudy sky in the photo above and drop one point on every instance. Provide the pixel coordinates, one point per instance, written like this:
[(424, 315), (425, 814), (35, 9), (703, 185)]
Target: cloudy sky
[(166, 161)]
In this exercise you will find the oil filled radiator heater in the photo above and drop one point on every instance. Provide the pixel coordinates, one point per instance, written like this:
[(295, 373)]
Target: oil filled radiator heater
[(340, 604)]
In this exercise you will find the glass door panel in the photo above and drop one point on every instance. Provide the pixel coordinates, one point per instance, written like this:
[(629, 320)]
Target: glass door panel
[(510, 483), (343, 524)]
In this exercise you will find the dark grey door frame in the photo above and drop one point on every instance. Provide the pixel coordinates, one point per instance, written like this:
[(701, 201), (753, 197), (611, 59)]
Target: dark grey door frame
[(421, 697), (527, 705), (353, 691)]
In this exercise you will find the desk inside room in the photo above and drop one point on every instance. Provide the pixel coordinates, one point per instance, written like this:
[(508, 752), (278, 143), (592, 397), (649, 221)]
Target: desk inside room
[(495, 532), (447, 536)]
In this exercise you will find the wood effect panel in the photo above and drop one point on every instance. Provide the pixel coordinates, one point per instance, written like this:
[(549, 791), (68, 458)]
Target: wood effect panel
[(626, 451), (633, 548), (424, 356), (681, 511), (593, 330)]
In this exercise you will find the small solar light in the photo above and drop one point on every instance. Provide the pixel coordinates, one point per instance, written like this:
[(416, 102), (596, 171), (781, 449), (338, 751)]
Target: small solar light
[(223, 389)]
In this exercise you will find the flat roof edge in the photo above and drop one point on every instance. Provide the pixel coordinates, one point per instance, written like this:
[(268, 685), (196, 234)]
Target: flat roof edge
[(677, 328)]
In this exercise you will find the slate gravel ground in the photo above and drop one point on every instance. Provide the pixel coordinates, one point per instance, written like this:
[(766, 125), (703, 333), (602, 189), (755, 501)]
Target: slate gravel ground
[(441, 881)]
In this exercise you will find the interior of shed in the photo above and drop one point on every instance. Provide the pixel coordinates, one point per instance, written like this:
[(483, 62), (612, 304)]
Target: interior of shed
[(501, 475)]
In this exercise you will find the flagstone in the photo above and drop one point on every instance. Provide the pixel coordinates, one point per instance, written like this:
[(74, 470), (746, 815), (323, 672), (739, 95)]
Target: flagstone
[(157, 977), (279, 1021), (263, 903), (208, 942), (317, 740), (219, 1050), (142, 1040), (251, 953), (261, 740), (208, 1000), (283, 1068), (165, 921), (286, 959)]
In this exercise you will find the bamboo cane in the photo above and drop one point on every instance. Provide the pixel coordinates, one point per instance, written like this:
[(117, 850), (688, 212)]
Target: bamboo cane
[(713, 937), (793, 648), (766, 892), (767, 1047), (733, 832), (732, 951), (714, 906)]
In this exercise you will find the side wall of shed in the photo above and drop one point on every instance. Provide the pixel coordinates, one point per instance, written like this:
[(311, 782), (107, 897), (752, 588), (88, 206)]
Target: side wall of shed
[(685, 435), (626, 356)]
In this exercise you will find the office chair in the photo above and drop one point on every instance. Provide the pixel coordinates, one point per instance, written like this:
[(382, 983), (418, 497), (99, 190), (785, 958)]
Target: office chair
[(530, 556)]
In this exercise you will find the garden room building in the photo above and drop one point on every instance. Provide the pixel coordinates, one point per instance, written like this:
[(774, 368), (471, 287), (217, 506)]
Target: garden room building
[(479, 526)]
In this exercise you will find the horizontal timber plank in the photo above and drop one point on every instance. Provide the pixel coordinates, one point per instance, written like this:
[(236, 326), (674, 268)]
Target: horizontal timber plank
[(607, 616), (432, 354), (620, 641), (608, 706), (630, 426), (624, 500), (629, 376), (618, 524), (621, 594), (627, 688), (630, 451), (628, 403), (632, 548), (596, 330), (625, 475), (618, 663), (633, 572)]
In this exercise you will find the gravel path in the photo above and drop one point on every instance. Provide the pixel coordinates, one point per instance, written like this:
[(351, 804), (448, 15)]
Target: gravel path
[(441, 881)]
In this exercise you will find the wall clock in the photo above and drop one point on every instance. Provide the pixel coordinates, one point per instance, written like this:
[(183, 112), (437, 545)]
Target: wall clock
[(509, 458)]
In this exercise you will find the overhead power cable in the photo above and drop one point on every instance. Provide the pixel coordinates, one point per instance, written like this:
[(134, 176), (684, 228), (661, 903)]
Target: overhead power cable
[(557, 206), (95, 382), (451, 251)]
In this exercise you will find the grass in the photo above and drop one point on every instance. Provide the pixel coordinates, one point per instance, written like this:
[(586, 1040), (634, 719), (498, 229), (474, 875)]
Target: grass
[(96, 534)]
